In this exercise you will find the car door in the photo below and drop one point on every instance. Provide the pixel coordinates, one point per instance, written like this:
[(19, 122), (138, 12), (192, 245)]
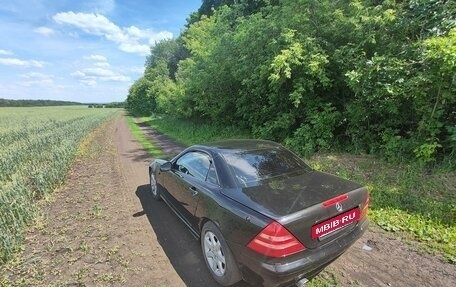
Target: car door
[(188, 176)]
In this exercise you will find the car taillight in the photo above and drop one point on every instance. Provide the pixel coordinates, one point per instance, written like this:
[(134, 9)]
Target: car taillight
[(275, 241), (366, 207)]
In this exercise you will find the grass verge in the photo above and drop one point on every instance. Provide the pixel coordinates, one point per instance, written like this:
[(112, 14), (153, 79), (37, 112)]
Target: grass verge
[(405, 200), (142, 139), (190, 133)]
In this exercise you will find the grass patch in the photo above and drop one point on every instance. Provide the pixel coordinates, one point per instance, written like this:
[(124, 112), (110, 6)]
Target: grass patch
[(405, 199), (141, 138), (190, 133), (324, 279)]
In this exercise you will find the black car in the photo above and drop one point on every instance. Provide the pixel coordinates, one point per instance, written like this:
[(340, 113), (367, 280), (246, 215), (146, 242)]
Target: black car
[(262, 215)]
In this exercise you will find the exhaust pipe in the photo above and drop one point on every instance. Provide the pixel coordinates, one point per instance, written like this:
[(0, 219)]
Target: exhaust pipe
[(302, 282)]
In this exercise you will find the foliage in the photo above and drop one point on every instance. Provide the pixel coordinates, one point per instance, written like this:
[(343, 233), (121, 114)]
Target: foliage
[(190, 133), (140, 101), (36, 148), (114, 105), (365, 76)]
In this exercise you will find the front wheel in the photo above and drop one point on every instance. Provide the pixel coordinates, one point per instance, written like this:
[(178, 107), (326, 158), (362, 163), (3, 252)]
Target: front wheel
[(154, 186), (218, 256)]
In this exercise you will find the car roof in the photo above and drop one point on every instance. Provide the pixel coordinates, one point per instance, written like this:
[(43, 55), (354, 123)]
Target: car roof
[(238, 145)]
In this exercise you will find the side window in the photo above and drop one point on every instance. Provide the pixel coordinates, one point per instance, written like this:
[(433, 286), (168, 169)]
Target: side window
[(212, 175), (195, 164), (182, 163)]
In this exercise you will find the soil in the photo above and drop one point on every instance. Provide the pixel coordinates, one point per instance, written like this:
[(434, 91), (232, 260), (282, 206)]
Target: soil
[(102, 228)]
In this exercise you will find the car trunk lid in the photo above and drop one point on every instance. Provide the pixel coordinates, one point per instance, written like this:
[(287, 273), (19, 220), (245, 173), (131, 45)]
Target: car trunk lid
[(296, 201)]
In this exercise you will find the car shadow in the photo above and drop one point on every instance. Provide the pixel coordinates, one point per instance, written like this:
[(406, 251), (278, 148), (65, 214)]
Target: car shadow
[(138, 155), (181, 248)]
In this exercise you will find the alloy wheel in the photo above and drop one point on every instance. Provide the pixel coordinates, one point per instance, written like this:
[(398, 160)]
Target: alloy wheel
[(153, 184), (214, 254)]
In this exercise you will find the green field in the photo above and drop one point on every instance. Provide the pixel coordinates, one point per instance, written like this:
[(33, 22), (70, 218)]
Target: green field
[(37, 146)]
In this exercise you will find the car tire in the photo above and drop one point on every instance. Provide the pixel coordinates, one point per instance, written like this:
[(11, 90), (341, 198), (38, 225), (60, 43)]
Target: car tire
[(154, 187), (218, 257)]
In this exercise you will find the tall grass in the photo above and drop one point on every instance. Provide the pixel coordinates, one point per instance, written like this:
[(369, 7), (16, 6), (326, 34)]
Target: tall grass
[(37, 146), (190, 133)]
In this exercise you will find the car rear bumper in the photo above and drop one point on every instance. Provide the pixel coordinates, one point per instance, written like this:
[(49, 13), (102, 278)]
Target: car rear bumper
[(275, 272)]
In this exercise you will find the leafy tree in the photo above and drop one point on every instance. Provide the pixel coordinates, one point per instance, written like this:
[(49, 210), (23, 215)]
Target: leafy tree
[(169, 51), (365, 75), (139, 101)]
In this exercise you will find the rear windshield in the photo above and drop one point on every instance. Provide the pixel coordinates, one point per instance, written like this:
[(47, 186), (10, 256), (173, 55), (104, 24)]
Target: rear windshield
[(255, 165)]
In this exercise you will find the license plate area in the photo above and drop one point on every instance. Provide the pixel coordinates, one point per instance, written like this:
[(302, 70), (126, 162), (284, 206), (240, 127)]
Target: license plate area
[(335, 223)]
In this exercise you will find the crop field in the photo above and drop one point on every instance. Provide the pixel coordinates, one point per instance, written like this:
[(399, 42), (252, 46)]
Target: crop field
[(37, 146)]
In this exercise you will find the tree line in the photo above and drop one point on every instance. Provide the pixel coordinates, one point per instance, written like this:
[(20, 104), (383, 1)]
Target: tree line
[(34, 103), (108, 105), (360, 76)]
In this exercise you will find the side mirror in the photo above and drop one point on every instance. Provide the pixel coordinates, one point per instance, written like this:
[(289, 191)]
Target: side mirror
[(166, 166)]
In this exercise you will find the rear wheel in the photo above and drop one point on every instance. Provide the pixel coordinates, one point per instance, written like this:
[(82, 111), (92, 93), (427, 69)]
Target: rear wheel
[(218, 256), (154, 190)]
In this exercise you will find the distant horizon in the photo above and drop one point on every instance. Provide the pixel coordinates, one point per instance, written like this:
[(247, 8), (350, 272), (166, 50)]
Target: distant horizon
[(51, 100), (58, 100)]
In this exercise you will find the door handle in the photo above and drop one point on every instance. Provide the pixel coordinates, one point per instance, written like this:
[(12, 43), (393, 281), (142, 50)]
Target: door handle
[(193, 191)]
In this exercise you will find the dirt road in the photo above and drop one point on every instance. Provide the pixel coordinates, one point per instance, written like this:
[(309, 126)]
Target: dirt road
[(103, 228)]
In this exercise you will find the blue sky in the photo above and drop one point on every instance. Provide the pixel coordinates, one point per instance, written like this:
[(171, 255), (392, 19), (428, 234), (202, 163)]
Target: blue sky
[(85, 51)]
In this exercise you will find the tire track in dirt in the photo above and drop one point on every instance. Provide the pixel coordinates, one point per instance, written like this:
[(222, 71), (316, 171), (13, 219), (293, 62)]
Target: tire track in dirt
[(133, 164), (92, 233)]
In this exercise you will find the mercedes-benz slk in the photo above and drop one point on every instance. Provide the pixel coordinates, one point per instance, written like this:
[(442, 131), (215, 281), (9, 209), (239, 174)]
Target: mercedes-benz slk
[(262, 215)]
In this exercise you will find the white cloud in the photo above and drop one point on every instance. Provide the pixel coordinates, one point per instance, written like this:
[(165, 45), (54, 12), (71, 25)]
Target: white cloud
[(35, 75), (78, 74), (90, 76), (130, 39), (88, 82), (37, 79), (91, 23), (116, 78), (21, 63), (136, 32), (45, 31), (101, 64), (105, 75), (154, 38), (136, 48), (98, 72), (5, 52), (98, 58)]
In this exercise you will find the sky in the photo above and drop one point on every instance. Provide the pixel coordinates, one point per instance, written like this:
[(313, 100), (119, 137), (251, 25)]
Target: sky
[(83, 51)]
